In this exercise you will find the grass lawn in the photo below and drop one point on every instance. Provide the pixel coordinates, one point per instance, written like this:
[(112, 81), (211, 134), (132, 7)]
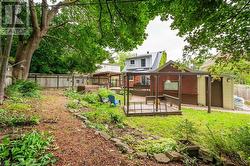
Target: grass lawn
[(165, 126), (219, 124)]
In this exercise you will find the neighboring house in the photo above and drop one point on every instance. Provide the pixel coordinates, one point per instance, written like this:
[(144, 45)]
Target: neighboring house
[(108, 75), (142, 63)]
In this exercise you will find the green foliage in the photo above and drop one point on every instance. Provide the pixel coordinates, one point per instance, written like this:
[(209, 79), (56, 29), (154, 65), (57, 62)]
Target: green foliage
[(238, 69), (10, 118), (23, 88), (72, 94), (211, 24), (224, 136), (91, 98), (163, 59), (15, 106), (186, 130), (157, 146), (98, 126), (121, 58), (104, 92), (105, 114), (77, 104), (30, 149)]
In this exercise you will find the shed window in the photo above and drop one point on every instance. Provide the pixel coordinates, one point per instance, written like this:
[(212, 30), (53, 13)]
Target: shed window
[(168, 85), (143, 62), (132, 62)]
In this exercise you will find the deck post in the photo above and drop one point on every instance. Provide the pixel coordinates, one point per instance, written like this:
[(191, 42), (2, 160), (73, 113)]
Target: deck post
[(180, 91), (157, 92), (119, 80), (209, 94), (127, 93), (124, 90)]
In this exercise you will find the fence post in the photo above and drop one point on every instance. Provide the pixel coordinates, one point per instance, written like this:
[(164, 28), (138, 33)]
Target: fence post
[(35, 78), (58, 79), (73, 81)]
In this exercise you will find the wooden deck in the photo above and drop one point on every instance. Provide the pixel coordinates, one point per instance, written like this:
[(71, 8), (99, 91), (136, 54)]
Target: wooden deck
[(149, 109)]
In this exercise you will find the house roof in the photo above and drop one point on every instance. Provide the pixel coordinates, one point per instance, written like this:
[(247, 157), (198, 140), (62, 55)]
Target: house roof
[(170, 62)]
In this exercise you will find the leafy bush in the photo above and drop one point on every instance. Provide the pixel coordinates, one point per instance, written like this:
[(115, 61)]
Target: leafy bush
[(9, 118), (30, 149), (105, 92), (157, 146), (105, 114), (91, 98), (23, 88)]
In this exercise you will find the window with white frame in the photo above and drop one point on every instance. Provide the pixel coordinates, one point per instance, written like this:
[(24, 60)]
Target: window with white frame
[(143, 62), (132, 62)]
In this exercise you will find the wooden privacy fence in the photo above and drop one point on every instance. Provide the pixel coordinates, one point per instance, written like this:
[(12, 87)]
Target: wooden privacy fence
[(242, 91), (58, 80)]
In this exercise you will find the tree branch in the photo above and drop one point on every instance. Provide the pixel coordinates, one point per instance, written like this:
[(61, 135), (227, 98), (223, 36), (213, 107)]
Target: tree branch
[(34, 20), (110, 14), (59, 25), (119, 11), (44, 14), (100, 18)]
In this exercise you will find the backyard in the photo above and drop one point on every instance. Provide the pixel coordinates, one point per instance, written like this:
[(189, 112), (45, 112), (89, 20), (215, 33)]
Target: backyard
[(224, 136)]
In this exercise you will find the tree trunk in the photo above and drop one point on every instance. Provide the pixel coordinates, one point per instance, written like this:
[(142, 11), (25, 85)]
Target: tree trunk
[(24, 55), (5, 53)]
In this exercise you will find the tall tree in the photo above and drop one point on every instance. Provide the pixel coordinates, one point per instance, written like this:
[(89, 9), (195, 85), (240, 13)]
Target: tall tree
[(114, 24), (5, 48)]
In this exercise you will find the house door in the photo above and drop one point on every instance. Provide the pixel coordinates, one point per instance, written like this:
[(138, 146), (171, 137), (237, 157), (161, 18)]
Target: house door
[(216, 93)]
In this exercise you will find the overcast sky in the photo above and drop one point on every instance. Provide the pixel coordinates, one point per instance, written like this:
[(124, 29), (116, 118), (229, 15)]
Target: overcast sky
[(161, 37)]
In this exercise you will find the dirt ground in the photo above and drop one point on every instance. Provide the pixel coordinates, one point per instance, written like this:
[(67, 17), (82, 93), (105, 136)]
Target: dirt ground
[(77, 145)]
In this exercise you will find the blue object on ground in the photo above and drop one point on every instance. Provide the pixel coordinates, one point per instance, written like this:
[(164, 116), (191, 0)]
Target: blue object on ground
[(112, 100)]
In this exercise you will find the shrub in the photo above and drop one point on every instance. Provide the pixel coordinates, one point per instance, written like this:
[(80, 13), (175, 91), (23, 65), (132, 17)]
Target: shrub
[(23, 88), (30, 149), (105, 92), (157, 146), (91, 98), (105, 114)]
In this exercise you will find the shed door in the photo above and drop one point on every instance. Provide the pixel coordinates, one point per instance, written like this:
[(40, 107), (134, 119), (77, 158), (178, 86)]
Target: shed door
[(216, 93)]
